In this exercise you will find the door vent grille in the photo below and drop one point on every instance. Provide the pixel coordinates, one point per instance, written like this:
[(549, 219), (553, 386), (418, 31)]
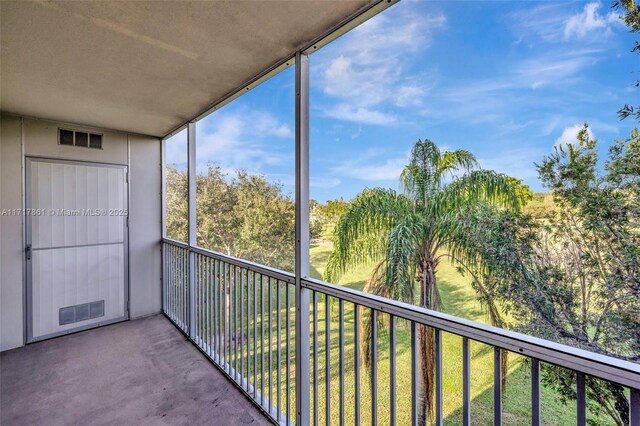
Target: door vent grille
[(82, 312), (78, 138)]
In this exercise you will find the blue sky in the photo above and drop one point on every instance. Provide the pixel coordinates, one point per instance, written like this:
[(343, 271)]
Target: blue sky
[(505, 80)]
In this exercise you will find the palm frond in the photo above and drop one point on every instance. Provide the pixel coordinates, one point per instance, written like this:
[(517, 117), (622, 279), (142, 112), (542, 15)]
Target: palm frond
[(403, 248), (456, 161), (420, 178), (361, 233), (496, 189)]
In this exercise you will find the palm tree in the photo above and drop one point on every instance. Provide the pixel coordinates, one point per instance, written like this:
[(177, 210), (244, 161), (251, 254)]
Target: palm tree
[(408, 234)]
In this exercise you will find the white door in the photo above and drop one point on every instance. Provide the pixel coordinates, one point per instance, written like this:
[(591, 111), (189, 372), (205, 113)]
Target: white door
[(76, 236)]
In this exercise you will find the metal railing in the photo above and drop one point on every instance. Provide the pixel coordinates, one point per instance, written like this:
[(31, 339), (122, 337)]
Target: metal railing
[(244, 322)]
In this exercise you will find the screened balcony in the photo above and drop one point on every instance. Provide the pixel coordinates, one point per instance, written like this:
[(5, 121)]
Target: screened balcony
[(176, 333)]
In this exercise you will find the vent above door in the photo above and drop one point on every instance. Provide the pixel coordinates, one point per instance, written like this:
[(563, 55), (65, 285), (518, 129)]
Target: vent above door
[(79, 138)]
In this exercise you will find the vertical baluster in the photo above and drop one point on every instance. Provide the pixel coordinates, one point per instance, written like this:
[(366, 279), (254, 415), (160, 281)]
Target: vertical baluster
[(203, 300), (315, 357), (497, 386), (212, 307), (581, 400), (261, 340), (222, 277), (341, 355), (221, 311), (236, 359), (241, 328), (374, 367), (248, 330), (392, 369), (229, 310), (186, 292), (172, 282), (182, 282), (204, 308), (327, 352), (225, 316), (202, 304), (279, 365), (288, 362), (247, 336), (466, 385), (255, 336), (535, 392), (169, 280), (186, 309), (174, 287), (634, 407), (207, 303), (232, 326), (269, 323), (198, 297), (215, 291), (168, 285), (170, 260), (414, 376), (180, 287), (438, 342), (356, 360), (164, 274), (231, 313)]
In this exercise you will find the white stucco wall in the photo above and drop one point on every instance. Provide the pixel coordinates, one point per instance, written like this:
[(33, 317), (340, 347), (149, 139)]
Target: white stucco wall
[(20, 137)]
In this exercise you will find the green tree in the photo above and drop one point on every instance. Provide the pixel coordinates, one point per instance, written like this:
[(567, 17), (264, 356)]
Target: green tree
[(573, 274), (408, 234), (176, 188), (244, 216), (327, 215)]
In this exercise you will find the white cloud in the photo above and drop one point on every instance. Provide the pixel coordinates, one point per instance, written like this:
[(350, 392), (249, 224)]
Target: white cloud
[(589, 23), (358, 114), (369, 167), (540, 22), (370, 69), (239, 140), (517, 163), (551, 21), (570, 134), (549, 68), (324, 182)]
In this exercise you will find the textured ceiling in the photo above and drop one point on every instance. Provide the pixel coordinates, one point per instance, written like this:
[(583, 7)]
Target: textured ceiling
[(146, 67)]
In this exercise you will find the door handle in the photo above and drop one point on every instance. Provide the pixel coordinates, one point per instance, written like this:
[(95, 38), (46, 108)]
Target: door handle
[(28, 251)]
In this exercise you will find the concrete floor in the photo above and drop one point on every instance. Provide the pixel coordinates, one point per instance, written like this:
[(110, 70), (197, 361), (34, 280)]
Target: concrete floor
[(141, 372)]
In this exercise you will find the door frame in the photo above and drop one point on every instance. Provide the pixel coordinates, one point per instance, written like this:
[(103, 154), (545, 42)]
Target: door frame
[(28, 240)]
